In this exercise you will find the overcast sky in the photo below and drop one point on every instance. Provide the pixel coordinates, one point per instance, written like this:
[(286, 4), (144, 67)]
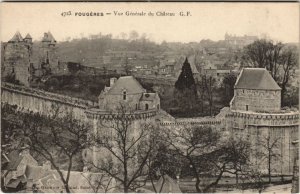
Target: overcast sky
[(208, 21)]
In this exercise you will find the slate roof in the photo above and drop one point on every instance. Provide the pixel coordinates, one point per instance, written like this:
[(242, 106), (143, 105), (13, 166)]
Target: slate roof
[(128, 83), (14, 183), (256, 79), (14, 160), (28, 36), (16, 38)]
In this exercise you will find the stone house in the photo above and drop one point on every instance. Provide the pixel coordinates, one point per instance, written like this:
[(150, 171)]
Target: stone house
[(127, 91)]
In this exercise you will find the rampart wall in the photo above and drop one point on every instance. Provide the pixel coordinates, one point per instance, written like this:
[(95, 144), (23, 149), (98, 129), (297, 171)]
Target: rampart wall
[(41, 101), (278, 129)]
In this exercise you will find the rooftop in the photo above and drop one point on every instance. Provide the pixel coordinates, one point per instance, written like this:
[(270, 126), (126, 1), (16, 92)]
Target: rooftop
[(28, 36), (256, 79), (48, 37), (16, 38), (128, 84)]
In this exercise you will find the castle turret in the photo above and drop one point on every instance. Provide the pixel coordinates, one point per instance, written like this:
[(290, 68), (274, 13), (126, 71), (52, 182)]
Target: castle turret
[(16, 38), (256, 90), (48, 39), (48, 55), (28, 38), (16, 60)]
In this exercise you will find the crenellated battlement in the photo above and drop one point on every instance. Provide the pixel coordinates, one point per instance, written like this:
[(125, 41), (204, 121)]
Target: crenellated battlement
[(193, 121), (287, 118), (107, 115)]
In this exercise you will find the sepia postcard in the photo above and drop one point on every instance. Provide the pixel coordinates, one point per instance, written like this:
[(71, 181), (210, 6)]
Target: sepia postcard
[(164, 97)]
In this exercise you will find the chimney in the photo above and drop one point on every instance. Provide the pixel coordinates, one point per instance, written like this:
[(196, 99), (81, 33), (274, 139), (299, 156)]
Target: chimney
[(112, 81)]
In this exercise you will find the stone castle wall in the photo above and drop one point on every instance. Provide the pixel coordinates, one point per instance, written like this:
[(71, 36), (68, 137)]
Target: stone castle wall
[(253, 124), (132, 101), (280, 129), (256, 100), (43, 102)]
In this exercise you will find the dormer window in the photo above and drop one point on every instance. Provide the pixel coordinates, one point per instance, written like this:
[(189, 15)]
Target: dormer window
[(124, 95)]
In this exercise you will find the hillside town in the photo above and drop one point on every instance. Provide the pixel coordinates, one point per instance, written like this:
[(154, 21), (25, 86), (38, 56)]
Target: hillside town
[(106, 114)]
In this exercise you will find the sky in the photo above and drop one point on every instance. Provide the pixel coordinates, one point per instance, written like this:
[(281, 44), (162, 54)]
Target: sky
[(280, 21)]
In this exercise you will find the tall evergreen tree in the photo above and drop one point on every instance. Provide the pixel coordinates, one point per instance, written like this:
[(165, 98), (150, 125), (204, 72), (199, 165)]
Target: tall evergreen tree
[(185, 89), (185, 79)]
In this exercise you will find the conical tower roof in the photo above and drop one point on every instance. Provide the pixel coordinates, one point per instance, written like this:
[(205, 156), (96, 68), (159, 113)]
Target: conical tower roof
[(17, 37), (48, 37), (28, 36)]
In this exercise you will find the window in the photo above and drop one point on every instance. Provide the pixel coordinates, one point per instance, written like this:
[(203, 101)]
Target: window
[(146, 106), (246, 107), (124, 95), (158, 107)]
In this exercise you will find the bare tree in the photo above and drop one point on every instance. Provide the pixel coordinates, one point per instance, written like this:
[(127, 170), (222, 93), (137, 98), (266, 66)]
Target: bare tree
[(133, 35), (267, 146), (209, 85), (238, 156), (127, 149), (209, 151), (289, 62), (99, 182), (228, 84), (52, 136), (279, 59), (196, 145), (163, 161)]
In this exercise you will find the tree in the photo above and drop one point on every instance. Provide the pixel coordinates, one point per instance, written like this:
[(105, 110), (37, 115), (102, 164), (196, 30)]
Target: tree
[(185, 88), (197, 145), (123, 35), (127, 149), (185, 79), (228, 84), (127, 67), (209, 89), (133, 35), (163, 161), (267, 150), (209, 152), (53, 137), (289, 62), (238, 155), (99, 182)]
